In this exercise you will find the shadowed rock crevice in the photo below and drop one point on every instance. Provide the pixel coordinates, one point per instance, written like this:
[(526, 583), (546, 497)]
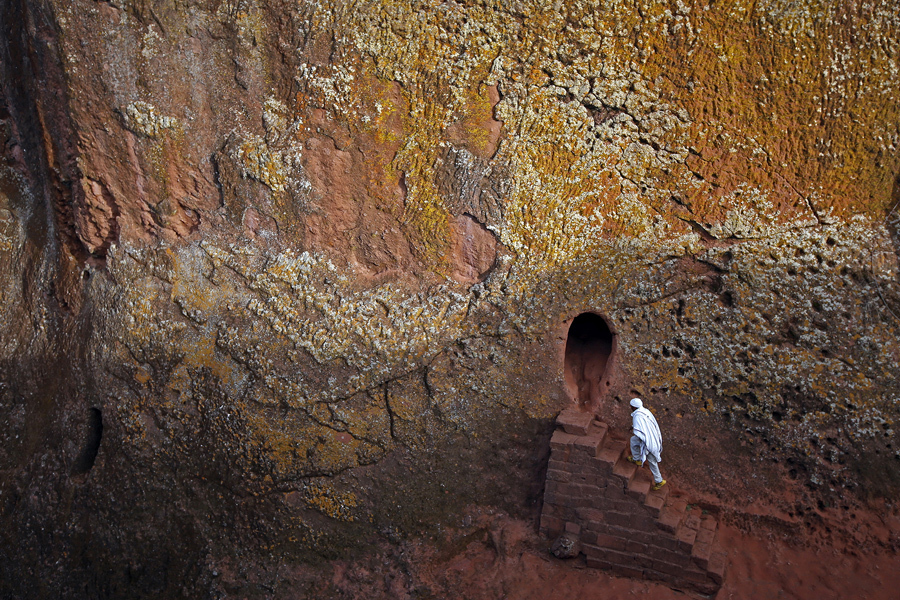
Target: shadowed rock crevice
[(91, 445), (30, 63)]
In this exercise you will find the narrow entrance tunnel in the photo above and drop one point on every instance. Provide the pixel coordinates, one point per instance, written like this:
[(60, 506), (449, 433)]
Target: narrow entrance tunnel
[(589, 347)]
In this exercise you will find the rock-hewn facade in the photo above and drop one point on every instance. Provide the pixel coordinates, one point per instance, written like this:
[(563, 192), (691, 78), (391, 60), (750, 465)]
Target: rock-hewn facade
[(283, 278)]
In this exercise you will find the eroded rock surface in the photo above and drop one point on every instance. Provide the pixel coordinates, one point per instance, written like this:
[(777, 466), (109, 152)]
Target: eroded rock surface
[(282, 281)]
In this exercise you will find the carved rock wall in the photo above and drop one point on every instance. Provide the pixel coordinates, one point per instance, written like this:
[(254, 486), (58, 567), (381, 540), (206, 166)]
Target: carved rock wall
[(275, 275)]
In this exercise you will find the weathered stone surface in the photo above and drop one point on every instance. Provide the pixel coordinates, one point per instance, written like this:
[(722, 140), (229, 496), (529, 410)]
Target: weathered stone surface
[(566, 546), (282, 279)]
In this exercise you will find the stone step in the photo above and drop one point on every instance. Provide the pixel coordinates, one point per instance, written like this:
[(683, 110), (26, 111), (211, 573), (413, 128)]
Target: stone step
[(686, 533), (692, 518), (672, 514), (716, 568), (677, 501), (583, 499), (560, 439), (708, 521), (611, 452), (588, 444), (640, 485), (686, 537), (705, 544), (598, 428), (624, 469), (701, 552), (656, 499), (574, 421)]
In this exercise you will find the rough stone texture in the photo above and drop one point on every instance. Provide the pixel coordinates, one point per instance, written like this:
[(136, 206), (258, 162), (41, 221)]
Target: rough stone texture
[(566, 546), (281, 281)]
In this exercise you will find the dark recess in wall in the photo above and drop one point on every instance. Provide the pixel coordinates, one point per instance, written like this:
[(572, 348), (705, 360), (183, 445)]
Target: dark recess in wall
[(91, 443), (589, 347)]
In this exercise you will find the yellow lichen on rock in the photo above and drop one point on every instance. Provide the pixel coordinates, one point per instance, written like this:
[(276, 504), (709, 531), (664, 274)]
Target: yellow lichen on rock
[(290, 250)]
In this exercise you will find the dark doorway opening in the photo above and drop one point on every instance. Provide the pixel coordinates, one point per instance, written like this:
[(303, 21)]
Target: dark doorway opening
[(91, 446), (589, 347)]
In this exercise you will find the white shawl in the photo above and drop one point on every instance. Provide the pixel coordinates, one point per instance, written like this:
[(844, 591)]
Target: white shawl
[(645, 427)]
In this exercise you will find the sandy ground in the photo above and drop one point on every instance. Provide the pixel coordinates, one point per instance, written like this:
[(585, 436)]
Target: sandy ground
[(512, 563), (756, 569), (783, 548), (502, 558), (764, 568)]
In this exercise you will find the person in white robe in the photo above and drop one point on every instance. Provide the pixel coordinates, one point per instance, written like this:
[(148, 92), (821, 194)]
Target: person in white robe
[(646, 443)]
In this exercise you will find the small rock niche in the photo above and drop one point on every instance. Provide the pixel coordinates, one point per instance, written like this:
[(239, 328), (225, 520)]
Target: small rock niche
[(91, 443), (589, 349)]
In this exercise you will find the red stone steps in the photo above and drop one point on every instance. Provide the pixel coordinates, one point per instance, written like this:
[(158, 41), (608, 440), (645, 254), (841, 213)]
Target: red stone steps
[(640, 484), (610, 453), (593, 493), (672, 514), (625, 470), (575, 422), (716, 567), (705, 542), (656, 499)]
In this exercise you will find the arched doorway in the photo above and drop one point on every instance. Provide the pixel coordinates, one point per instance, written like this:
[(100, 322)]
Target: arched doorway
[(589, 347)]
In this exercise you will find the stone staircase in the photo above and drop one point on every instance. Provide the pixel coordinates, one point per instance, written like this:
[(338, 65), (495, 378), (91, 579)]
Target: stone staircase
[(598, 503)]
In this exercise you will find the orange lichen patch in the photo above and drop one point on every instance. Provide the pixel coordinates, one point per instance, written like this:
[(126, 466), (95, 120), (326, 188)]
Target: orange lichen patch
[(381, 135), (476, 130), (743, 109), (733, 115), (428, 109), (142, 376), (282, 448), (425, 213), (259, 163), (552, 219), (383, 106), (366, 418), (204, 354), (322, 496)]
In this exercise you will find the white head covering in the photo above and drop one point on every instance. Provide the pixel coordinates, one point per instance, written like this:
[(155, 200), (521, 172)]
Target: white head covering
[(636, 403)]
